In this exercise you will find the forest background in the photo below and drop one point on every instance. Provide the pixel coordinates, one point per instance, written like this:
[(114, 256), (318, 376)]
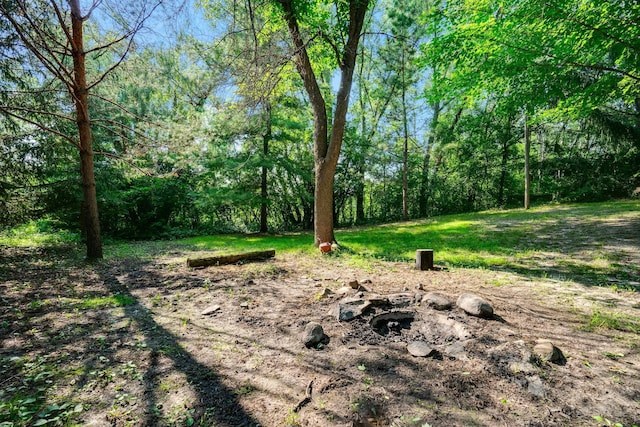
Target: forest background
[(200, 123)]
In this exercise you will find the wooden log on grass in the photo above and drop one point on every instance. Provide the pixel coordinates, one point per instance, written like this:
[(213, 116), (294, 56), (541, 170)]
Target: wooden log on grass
[(231, 258)]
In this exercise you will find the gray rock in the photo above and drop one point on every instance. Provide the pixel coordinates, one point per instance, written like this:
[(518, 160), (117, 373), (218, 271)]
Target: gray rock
[(377, 300), (402, 300), (457, 350), (437, 301), (439, 325), (548, 352), (513, 356), (312, 335), (421, 349), (210, 310), (536, 387), (349, 309), (475, 306)]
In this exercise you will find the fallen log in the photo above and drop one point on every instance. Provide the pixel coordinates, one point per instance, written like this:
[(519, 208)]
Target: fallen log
[(231, 258)]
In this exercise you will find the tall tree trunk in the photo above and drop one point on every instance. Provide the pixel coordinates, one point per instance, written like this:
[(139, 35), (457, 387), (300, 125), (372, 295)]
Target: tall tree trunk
[(405, 146), (263, 185), (426, 160), (527, 173), (91, 220), (326, 149), (503, 163)]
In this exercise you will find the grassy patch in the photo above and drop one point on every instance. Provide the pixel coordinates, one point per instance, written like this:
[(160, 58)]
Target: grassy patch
[(117, 300), (612, 320), (42, 232)]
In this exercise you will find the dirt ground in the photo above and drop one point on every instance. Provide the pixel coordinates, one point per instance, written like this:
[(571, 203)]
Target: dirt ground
[(127, 340)]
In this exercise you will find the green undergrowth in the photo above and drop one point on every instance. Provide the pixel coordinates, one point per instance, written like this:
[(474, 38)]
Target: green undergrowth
[(26, 398)]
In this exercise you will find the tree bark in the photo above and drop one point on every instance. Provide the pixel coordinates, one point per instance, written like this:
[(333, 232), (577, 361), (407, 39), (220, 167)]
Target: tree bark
[(405, 145), (426, 160), (91, 220), (527, 150), (506, 143), (263, 185)]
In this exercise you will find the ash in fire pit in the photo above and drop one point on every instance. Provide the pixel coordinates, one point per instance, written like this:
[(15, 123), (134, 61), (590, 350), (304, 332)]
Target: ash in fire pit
[(392, 322)]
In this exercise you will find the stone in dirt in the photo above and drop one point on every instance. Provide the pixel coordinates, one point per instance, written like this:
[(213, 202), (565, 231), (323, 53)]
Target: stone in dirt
[(457, 350), (549, 352), (421, 349), (210, 310), (513, 357), (535, 386), (439, 325), (344, 290), (312, 335), (349, 309), (475, 306), (437, 301), (402, 299), (377, 300)]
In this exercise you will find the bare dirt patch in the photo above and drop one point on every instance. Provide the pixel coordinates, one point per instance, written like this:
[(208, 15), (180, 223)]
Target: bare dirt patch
[(127, 340)]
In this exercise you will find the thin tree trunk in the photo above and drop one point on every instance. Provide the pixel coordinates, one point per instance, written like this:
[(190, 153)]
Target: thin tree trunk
[(405, 146), (527, 149), (424, 183), (503, 163), (264, 184), (90, 218)]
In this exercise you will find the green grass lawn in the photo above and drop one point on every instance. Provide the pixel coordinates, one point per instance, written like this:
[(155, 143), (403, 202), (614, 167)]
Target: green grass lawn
[(573, 236), (481, 240)]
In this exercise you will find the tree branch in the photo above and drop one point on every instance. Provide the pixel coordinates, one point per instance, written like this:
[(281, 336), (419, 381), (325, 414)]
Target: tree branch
[(40, 126)]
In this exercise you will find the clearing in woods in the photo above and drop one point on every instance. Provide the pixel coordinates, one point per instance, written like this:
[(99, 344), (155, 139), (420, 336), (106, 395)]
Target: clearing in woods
[(124, 341)]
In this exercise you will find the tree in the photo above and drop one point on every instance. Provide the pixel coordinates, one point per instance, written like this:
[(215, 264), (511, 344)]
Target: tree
[(399, 53), (55, 36), (327, 133), (561, 60)]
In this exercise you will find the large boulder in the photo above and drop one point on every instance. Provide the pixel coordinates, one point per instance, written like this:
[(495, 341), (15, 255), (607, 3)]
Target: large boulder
[(475, 306), (437, 301)]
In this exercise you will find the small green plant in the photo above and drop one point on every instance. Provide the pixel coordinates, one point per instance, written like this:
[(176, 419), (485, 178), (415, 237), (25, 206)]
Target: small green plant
[(156, 301), (245, 389), (368, 382), (608, 422), (36, 305), (292, 419), (25, 402), (130, 370), (614, 356)]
